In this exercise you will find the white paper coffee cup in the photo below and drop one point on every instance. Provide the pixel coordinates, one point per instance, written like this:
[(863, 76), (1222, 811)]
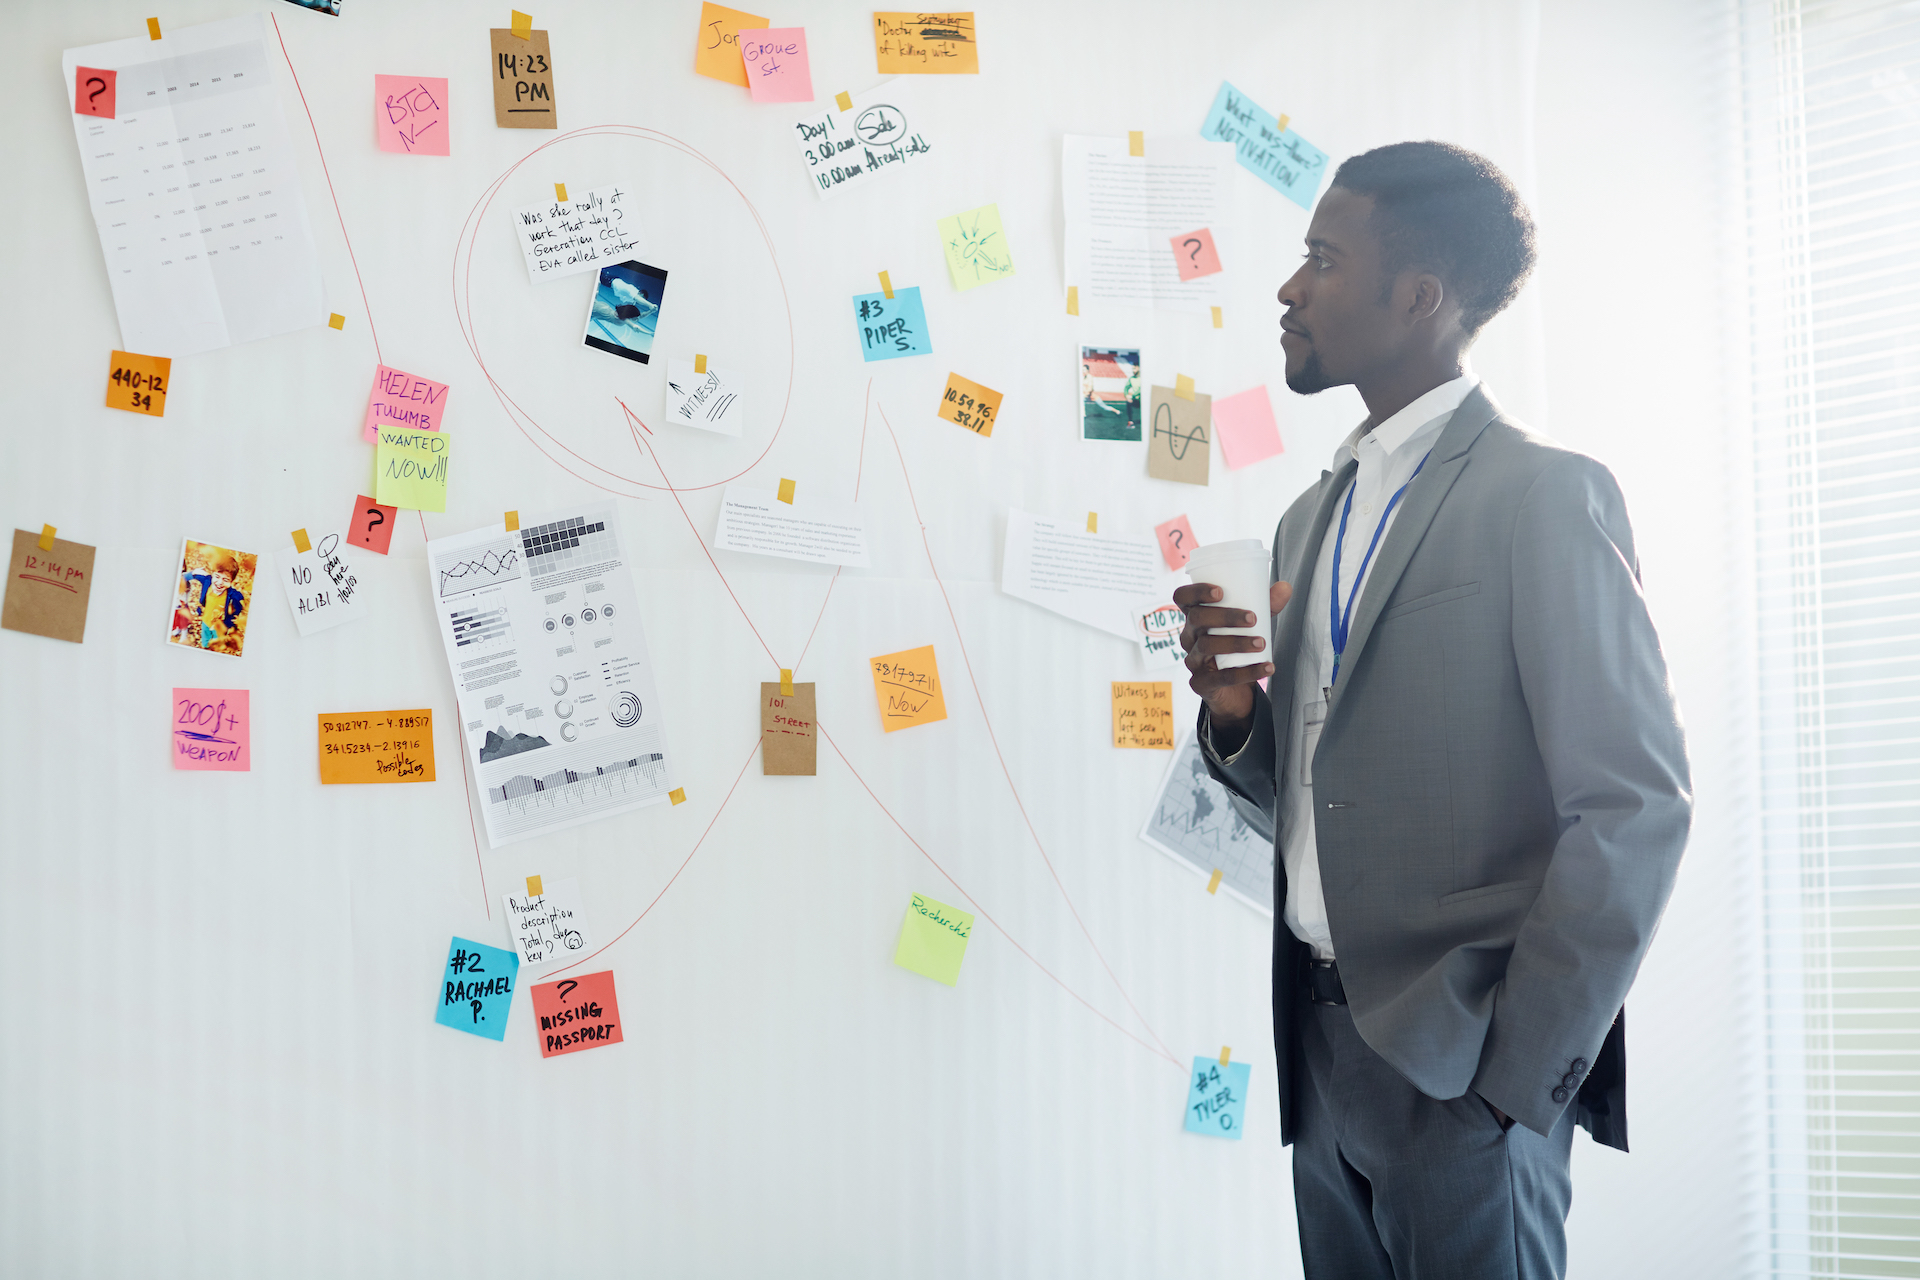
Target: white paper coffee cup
[(1242, 571)]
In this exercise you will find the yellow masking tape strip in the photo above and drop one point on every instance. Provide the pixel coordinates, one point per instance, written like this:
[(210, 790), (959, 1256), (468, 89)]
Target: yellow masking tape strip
[(513, 522), (786, 492), (699, 364), (533, 886), (1136, 143), (46, 537), (1213, 885), (523, 25), (1218, 321), (300, 541), (1226, 1052), (844, 99), (1183, 387), (886, 284), (560, 192), (336, 321), (1073, 299), (678, 795), (1280, 125), (1093, 522), (153, 28), (786, 682)]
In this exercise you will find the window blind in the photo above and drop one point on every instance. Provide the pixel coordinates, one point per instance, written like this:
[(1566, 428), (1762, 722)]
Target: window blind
[(1830, 96)]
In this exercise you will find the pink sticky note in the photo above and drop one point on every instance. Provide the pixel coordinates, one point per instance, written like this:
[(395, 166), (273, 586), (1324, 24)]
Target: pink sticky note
[(1244, 426), (401, 399), (94, 91), (1195, 255), (410, 113), (210, 730), (776, 61), (1176, 541)]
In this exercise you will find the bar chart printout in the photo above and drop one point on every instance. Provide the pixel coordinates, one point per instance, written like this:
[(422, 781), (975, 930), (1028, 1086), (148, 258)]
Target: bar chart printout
[(559, 711)]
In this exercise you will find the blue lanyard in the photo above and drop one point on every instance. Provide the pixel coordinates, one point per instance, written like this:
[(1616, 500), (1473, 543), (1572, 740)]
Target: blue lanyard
[(1342, 619)]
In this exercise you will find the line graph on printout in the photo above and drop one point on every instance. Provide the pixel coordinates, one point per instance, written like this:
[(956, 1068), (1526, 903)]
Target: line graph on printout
[(471, 568)]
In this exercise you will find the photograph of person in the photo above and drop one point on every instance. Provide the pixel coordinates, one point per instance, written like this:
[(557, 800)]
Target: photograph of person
[(1110, 387), (626, 306)]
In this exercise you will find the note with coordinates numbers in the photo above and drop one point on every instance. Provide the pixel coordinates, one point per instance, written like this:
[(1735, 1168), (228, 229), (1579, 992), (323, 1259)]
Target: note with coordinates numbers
[(907, 687), (376, 746)]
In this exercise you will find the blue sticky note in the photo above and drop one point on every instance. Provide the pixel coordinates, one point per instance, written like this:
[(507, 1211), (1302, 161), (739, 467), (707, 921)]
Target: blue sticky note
[(892, 327), (1282, 158), (477, 989), (1217, 1098)]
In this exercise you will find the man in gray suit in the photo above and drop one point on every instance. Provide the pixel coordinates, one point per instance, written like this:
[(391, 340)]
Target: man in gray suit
[(1468, 754)]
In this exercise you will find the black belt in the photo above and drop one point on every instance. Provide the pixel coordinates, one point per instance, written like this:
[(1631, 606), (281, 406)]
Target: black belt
[(1323, 983)]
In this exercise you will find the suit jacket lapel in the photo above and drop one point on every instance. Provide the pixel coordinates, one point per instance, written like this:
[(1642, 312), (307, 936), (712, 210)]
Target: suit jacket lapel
[(1288, 626), (1417, 509)]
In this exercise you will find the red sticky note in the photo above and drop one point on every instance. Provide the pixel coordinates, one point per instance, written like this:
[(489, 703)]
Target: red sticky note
[(372, 525), (93, 91), (1195, 255), (410, 114), (776, 62), (576, 1013), (211, 730), (402, 399), (1176, 541), (1244, 426)]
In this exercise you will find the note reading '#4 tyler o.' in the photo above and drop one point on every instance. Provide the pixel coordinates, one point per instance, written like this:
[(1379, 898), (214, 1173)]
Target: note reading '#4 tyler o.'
[(907, 686)]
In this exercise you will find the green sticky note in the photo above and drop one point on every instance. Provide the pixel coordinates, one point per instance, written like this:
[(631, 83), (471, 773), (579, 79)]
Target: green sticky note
[(976, 247), (933, 941), (410, 468)]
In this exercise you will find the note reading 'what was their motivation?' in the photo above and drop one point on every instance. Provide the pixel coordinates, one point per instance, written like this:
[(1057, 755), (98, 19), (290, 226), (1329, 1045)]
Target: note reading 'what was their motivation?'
[(212, 730), (477, 989), (1178, 443), (907, 687), (376, 746), (776, 63), (138, 383), (410, 115), (817, 530), (322, 589), (925, 44), (881, 132), (410, 468), (976, 247), (1244, 423), (1217, 1098), (709, 401), (522, 81), (1279, 157), (789, 735), (933, 939), (401, 399), (567, 237), (891, 328), (1143, 714), (48, 591), (970, 405), (548, 921), (1093, 578), (576, 1013), (716, 53)]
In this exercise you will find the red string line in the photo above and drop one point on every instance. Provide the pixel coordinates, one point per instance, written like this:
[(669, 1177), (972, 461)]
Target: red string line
[(330, 191)]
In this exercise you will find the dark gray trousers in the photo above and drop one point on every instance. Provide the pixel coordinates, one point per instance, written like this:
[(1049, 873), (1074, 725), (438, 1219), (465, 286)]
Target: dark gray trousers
[(1390, 1184)]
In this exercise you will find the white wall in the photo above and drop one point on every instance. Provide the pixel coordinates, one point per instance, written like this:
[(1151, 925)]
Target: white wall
[(220, 1057)]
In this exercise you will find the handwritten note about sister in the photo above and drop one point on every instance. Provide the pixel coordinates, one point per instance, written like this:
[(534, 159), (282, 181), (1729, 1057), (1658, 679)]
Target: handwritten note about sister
[(567, 237), (377, 746)]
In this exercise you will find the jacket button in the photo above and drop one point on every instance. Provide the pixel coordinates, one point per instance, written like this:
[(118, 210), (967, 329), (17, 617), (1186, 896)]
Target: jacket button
[(1560, 1094), (1569, 1080), (1578, 1066)]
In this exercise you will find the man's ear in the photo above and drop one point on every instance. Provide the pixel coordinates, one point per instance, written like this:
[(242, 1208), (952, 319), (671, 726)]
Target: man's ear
[(1428, 297)]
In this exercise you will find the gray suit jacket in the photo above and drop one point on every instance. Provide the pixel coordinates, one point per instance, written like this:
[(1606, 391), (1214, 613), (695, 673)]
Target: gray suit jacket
[(1500, 790)]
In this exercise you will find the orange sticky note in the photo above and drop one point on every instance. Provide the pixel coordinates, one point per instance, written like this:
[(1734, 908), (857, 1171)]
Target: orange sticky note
[(1143, 714), (970, 405), (907, 687), (925, 44), (377, 746), (576, 1013), (1194, 255), (138, 384), (717, 52)]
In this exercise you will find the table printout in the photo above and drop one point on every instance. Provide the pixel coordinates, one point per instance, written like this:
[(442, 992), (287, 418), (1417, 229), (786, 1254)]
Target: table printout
[(559, 712), (194, 190), (1122, 212)]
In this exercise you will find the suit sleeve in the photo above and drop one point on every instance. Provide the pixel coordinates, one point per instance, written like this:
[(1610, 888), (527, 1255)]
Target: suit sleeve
[(1248, 773), (1609, 733)]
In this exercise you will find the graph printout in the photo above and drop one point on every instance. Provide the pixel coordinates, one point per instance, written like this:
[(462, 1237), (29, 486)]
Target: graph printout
[(559, 712)]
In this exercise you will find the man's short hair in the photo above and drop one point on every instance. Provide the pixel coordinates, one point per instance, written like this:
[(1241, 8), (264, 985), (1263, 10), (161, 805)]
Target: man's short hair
[(1444, 209)]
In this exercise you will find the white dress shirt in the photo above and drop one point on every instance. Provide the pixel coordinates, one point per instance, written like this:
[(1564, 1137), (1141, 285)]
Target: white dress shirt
[(1387, 455)]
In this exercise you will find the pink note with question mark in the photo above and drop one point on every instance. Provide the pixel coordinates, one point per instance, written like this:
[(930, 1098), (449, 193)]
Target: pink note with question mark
[(1176, 541), (1195, 256), (371, 528), (93, 91)]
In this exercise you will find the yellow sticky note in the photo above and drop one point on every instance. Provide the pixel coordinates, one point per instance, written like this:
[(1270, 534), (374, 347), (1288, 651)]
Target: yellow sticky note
[(933, 941), (1143, 714), (925, 44), (560, 192), (153, 28), (1183, 387), (138, 383), (843, 100), (907, 687), (786, 492), (336, 321), (716, 53), (522, 25), (1218, 321), (1136, 143), (678, 795), (968, 404), (1213, 884), (301, 542), (534, 886), (1073, 299), (410, 468), (976, 247)]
